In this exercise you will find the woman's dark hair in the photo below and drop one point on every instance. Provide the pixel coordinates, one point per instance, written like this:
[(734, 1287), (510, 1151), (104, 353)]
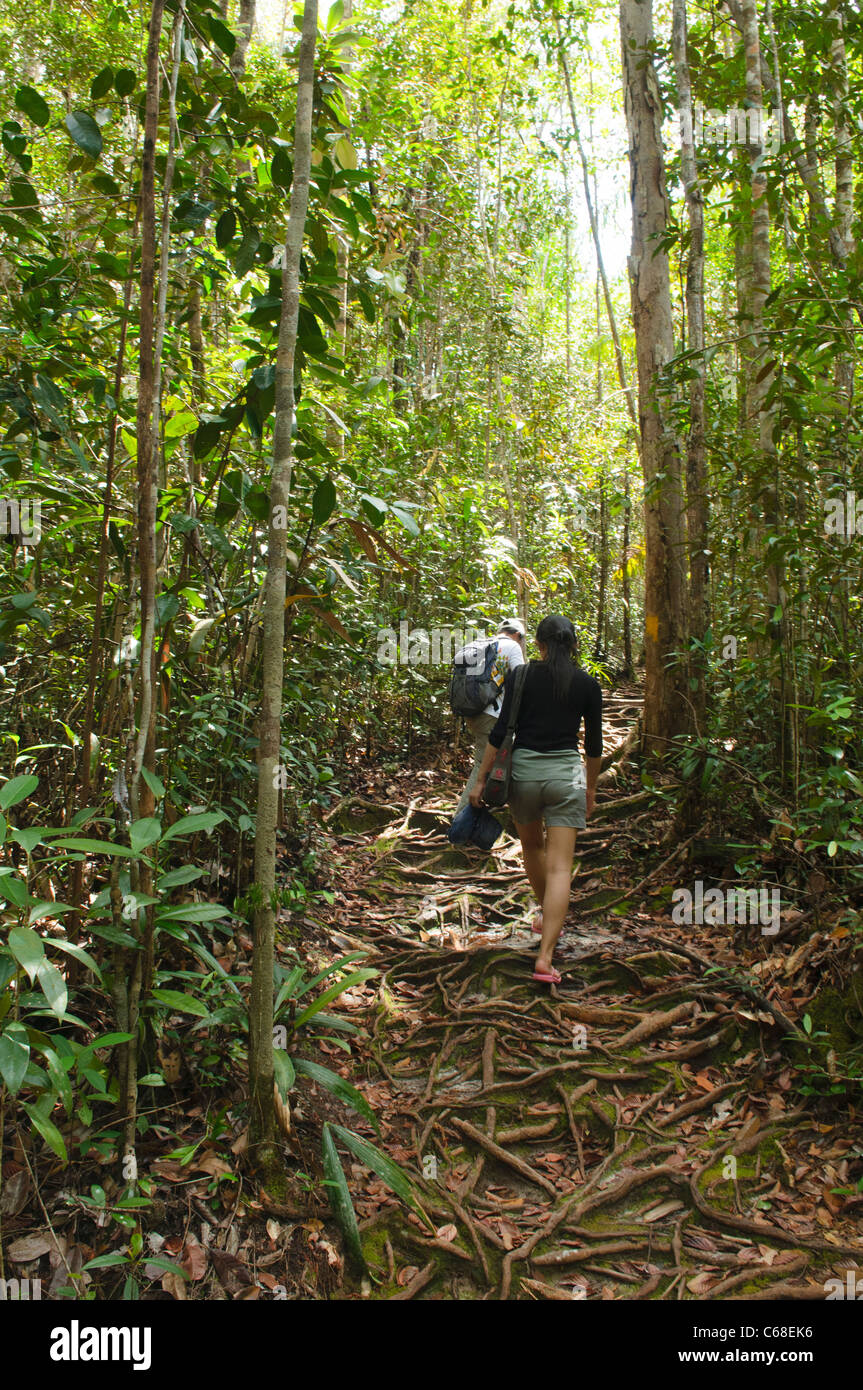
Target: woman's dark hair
[(558, 635)]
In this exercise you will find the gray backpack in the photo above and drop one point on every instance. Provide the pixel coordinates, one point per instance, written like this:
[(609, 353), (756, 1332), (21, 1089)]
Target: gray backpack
[(474, 682)]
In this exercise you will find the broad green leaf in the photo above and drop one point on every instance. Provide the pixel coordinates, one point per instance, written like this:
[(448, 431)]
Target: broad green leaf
[(86, 1054), (26, 946), (281, 169), (245, 257), (340, 1197), (85, 132), (101, 84), (156, 785), (53, 987), (193, 912), (182, 1003), (405, 517), (115, 1257), (192, 825), (347, 36), (187, 874), (69, 949), (93, 846), (144, 832), (226, 228), (283, 1069), (28, 100), (324, 501), (161, 1263), (181, 424), (221, 35), (28, 839), (16, 789), (125, 81), (49, 1131), (14, 1055), (12, 890), (60, 1078), (345, 153)]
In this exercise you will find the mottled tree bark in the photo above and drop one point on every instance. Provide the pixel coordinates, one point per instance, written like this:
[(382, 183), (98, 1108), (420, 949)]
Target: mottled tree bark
[(696, 482), (245, 29), (666, 710), (262, 1120)]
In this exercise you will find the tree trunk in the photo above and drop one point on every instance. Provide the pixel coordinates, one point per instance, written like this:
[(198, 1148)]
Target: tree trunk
[(245, 29), (666, 711), (142, 799), (760, 416), (262, 1120), (696, 481)]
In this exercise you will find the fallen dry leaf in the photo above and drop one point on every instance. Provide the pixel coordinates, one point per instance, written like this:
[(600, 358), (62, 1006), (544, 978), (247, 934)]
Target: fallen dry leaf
[(231, 1272), (15, 1192), (664, 1209), (27, 1248), (194, 1260), (174, 1284), (211, 1163)]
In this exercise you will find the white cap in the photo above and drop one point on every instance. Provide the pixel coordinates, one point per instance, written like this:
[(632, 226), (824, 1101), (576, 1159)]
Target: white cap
[(513, 625)]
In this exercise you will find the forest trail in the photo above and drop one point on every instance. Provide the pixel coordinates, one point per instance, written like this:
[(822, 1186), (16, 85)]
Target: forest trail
[(632, 1133)]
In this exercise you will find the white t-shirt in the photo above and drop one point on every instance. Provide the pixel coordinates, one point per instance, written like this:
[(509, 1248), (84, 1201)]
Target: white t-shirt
[(509, 655)]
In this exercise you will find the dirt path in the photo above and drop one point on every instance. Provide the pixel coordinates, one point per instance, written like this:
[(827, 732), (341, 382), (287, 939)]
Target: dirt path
[(633, 1133)]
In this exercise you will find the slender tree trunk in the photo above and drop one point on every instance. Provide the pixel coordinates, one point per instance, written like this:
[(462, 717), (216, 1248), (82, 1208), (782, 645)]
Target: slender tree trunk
[(760, 414), (262, 1126), (142, 799), (245, 29), (696, 480), (95, 657), (626, 582), (666, 711), (844, 211), (335, 435)]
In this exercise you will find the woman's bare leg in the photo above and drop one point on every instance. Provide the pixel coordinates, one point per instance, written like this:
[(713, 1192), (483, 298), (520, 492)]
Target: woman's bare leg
[(532, 836), (559, 854)]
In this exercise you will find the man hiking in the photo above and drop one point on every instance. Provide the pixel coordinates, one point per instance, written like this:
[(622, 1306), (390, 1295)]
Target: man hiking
[(482, 666)]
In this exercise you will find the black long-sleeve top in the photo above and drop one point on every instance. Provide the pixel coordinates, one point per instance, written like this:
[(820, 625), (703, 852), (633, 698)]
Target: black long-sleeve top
[(546, 723)]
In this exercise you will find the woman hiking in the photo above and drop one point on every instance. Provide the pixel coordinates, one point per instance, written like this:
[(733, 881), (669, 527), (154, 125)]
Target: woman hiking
[(550, 798)]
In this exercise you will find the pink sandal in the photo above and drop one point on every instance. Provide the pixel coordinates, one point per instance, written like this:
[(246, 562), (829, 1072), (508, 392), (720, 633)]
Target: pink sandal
[(536, 924), (552, 977)]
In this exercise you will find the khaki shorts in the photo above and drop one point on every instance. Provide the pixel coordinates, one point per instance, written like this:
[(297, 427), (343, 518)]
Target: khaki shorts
[(548, 786)]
